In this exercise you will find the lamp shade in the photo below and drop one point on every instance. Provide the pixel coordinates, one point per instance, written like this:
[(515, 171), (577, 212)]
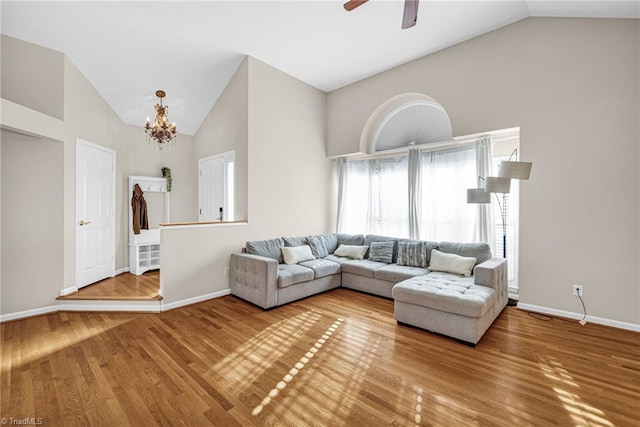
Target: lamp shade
[(495, 184), (515, 170), (478, 195)]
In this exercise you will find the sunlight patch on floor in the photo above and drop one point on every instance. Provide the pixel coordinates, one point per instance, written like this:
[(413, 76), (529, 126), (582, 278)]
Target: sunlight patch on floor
[(258, 354), (581, 414), (286, 379)]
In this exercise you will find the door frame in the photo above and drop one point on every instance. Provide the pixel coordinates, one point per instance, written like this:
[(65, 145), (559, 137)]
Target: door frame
[(77, 218), (228, 157)]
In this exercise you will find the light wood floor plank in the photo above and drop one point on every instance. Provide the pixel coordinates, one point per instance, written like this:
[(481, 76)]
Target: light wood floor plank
[(336, 359)]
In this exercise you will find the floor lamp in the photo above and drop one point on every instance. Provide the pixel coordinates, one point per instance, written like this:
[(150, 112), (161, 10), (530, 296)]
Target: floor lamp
[(483, 195), (509, 169)]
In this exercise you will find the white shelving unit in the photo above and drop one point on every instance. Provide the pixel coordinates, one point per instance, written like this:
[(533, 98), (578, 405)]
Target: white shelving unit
[(144, 248)]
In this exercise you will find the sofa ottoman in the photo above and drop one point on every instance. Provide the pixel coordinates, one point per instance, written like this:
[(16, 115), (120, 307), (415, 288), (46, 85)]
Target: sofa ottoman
[(456, 306)]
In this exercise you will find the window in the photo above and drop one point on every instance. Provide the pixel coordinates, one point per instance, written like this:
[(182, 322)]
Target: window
[(445, 214), (375, 199)]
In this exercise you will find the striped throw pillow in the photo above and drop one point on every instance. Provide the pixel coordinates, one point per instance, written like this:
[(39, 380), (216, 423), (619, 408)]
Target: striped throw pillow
[(381, 251)]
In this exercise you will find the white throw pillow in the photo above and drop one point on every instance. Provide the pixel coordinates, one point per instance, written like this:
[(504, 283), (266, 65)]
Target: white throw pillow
[(351, 251), (451, 263), (295, 254)]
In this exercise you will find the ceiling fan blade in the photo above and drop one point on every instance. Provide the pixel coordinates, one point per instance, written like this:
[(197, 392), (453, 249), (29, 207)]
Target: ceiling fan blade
[(410, 16), (352, 4)]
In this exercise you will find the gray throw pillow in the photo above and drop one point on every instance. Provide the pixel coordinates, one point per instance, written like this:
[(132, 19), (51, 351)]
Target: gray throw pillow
[(266, 248), (382, 251), (370, 238), (479, 251), (414, 253)]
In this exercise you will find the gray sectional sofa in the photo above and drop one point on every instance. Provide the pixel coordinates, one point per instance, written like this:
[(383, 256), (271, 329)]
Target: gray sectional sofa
[(451, 304)]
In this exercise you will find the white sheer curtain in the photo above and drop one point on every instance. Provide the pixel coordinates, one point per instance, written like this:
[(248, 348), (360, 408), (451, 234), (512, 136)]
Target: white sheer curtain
[(446, 175), (485, 230), (415, 192), (374, 197)]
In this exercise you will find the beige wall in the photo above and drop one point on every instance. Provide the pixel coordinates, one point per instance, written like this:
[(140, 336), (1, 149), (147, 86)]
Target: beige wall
[(32, 76), (289, 180), (89, 117), (225, 129), (572, 86), (32, 215)]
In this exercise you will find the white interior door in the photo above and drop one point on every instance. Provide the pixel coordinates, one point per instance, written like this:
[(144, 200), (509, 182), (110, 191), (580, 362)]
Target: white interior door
[(95, 213), (211, 188)]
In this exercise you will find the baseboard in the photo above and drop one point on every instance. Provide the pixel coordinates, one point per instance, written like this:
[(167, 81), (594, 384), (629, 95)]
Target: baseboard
[(194, 300), (571, 315), (80, 305), (122, 270), (68, 291), (29, 313)]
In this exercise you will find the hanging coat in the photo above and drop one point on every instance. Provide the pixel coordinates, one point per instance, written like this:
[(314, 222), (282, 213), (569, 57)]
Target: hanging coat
[(139, 208)]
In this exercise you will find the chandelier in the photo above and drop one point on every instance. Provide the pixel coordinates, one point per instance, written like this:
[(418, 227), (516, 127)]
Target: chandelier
[(162, 132)]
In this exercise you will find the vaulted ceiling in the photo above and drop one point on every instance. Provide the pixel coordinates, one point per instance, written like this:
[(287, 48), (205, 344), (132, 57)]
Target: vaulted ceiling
[(128, 50)]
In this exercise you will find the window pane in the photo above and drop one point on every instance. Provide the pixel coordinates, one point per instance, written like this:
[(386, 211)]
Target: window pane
[(445, 214)]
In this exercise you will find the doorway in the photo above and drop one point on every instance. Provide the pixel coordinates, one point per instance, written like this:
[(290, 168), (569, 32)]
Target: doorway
[(95, 213), (216, 188)]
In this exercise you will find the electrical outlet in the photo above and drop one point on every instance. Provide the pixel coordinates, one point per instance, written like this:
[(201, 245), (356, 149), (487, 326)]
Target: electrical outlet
[(226, 272), (578, 291)]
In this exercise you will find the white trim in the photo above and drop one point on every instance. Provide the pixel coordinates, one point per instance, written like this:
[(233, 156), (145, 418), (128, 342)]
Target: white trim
[(204, 225), (122, 270), (29, 313), (81, 305), (194, 300), (68, 291), (571, 315)]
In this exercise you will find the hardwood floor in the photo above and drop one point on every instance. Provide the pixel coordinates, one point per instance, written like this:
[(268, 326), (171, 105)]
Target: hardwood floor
[(125, 286), (336, 359)]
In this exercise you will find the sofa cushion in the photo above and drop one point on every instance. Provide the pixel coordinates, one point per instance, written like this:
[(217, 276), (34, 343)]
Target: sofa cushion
[(292, 274), (323, 244), (382, 251), (446, 293), (414, 253), (338, 259), (295, 241), (322, 267), (480, 251), (353, 252), (375, 238), (350, 239), (451, 263), (397, 273), (363, 267), (267, 248), (296, 254)]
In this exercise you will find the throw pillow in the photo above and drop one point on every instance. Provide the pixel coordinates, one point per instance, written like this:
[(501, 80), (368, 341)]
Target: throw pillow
[(295, 254), (451, 263), (351, 251), (267, 248), (413, 254), (382, 251)]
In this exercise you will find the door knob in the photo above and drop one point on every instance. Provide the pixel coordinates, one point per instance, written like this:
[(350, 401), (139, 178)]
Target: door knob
[(84, 223)]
